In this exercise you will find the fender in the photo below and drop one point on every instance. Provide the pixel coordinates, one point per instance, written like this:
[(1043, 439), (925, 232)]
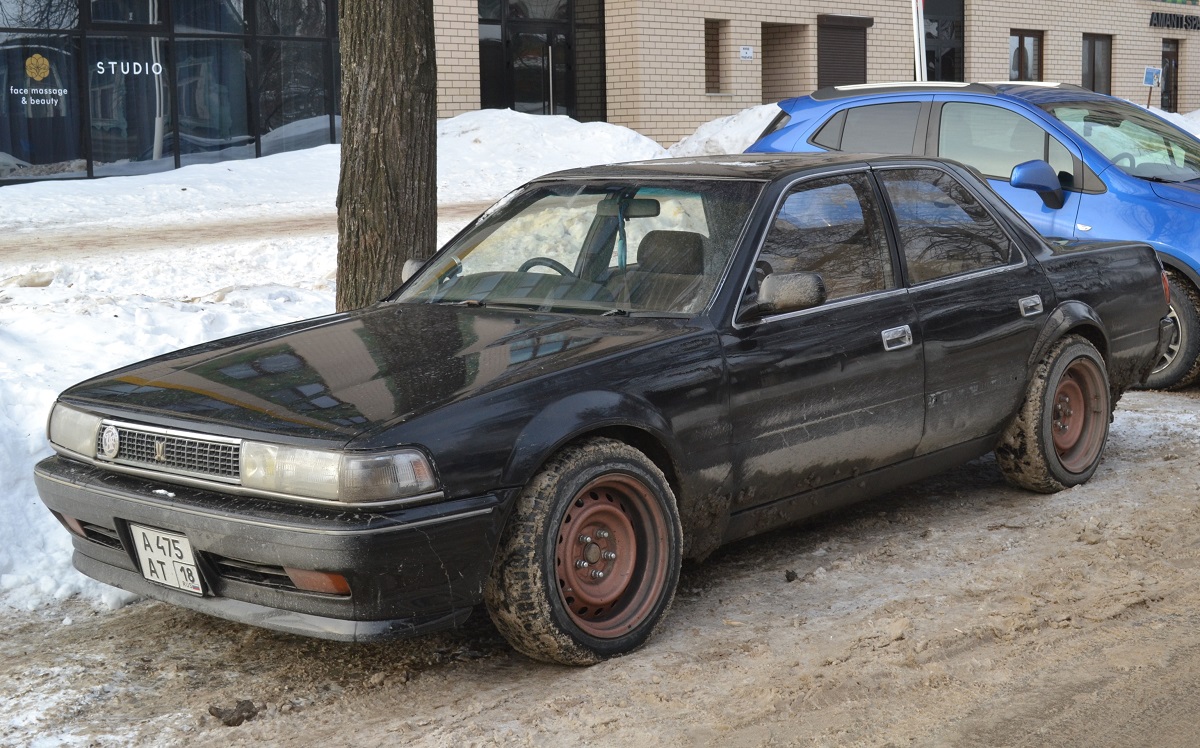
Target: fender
[(1069, 316), (574, 416), (1172, 261)]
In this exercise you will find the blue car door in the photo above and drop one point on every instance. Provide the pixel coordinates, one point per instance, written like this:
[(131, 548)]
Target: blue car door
[(993, 139)]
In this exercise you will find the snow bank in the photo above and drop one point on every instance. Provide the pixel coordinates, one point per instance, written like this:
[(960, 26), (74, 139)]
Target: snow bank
[(732, 134)]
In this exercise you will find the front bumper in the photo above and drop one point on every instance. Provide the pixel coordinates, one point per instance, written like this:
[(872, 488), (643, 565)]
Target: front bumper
[(409, 570)]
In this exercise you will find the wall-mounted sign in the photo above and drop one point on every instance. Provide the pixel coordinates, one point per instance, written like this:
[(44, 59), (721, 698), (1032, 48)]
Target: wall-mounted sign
[(1180, 2), (129, 68), (747, 53), (1174, 21)]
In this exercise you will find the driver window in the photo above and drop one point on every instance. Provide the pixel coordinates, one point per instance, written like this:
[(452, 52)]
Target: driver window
[(831, 227), (994, 140)]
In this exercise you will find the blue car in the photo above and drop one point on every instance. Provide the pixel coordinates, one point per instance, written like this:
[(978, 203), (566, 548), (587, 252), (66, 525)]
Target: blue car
[(1115, 171)]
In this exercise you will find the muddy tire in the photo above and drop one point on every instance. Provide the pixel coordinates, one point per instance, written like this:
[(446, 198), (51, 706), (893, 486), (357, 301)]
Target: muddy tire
[(589, 561), (1058, 436), (1179, 367)]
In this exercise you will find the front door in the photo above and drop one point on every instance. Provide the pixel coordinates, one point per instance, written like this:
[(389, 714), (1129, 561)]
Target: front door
[(1170, 75), (830, 393)]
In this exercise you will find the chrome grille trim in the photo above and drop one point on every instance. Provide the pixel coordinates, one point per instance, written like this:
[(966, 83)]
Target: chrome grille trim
[(184, 453)]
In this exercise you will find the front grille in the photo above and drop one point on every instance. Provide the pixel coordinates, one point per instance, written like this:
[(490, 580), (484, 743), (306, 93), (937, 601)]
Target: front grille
[(173, 452)]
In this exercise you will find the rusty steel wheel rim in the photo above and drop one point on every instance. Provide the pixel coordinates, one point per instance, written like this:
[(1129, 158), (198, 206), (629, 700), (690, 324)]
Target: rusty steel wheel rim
[(611, 555), (1078, 415)]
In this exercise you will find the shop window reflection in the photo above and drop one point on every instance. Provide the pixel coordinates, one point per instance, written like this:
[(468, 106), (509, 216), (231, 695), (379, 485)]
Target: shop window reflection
[(214, 107), (291, 17), (130, 105), (40, 103), (293, 104), (135, 12), (39, 14), (208, 16)]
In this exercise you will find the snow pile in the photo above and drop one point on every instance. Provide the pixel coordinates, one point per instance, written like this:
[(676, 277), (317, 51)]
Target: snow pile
[(732, 134), (483, 155)]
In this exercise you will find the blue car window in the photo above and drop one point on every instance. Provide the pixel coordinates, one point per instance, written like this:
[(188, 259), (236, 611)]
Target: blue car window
[(831, 227), (994, 140), (944, 229), (881, 128)]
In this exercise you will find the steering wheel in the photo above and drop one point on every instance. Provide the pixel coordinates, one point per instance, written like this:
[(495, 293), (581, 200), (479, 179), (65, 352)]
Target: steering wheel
[(1126, 155), (549, 262)]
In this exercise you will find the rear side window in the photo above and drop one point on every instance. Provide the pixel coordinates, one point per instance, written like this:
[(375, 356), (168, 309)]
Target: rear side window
[(878, 128), (994, 140), (944, 230)]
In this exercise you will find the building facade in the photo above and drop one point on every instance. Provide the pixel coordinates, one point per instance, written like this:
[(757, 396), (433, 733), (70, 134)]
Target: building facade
[(99, 87)]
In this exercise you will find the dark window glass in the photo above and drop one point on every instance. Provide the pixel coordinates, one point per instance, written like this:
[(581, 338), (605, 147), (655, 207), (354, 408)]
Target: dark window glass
[(944, 35), (991, 139), (1025, 56), (39, 14), (559, 10), (223, 16), (134, 12), (214, 107), (291, 17), (293, 95), (830, 135), (944, 229), (831, 227), (40, 107), (493, 68), (1097, 63), (490, 10), (881, 128), (130, 105)]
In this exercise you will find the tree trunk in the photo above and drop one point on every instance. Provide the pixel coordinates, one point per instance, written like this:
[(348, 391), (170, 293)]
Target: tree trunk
[(387, 195)]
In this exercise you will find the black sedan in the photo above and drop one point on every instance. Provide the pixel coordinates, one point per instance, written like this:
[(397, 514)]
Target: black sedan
[(611, 370)]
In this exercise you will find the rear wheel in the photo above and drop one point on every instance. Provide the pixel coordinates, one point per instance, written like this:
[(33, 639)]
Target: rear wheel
[(1059, 434), (1179, 366), (588, 564)]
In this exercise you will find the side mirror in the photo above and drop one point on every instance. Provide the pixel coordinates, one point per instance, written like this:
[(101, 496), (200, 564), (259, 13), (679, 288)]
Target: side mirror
[(780, 293), (410, 269), (1041, 178)]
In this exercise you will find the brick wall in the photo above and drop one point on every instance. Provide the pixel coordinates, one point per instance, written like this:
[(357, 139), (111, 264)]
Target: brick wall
[(456, 36), (1134, 44)]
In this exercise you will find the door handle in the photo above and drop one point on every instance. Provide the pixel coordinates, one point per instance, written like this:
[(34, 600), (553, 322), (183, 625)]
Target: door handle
[(896, 338), (1031, 306)]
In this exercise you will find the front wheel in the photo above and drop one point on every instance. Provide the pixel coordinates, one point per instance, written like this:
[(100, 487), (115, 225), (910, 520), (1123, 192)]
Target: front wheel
[(589, 562), (1179, 365), (1056, 439)]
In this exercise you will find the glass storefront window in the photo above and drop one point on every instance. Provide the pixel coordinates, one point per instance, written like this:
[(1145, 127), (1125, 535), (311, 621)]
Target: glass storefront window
[(213, 103), (39, 14), (130, 105), (208, 16), (133, 12), (291, 17), (293, 110), (40, 108), (555, 10)]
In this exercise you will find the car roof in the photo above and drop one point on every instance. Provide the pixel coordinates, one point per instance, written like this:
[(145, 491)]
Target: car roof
[(755, 167), (1032, 91)]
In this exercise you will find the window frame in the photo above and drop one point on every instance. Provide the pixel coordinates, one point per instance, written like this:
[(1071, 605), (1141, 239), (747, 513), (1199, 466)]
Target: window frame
[(1021, 35), (1095, 42)]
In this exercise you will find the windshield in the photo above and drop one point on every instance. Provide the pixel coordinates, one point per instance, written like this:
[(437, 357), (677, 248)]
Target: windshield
[(615, 247), (1137, 143)]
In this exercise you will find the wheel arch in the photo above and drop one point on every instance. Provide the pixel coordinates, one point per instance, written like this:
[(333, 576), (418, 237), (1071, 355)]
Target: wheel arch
[(573, 419), (1070, 318)]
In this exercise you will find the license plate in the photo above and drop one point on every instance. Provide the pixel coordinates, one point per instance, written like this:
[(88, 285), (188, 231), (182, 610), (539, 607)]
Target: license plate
[(166, 558)]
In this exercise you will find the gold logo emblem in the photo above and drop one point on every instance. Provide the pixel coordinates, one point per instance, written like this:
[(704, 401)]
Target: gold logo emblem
[(37, 67), (160, 450)]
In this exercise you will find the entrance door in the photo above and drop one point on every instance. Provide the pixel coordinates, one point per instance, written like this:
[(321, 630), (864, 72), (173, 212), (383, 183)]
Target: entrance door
[(540, 65), (1170, 75)]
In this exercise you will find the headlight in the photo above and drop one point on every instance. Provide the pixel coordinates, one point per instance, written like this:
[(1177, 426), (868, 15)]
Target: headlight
[(336, 476), (74, 430)]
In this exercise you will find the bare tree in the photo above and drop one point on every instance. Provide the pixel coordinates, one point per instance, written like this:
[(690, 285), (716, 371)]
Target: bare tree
[(387, 196)]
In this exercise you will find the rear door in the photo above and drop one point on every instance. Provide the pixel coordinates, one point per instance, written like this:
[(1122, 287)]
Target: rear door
[(981, 303)]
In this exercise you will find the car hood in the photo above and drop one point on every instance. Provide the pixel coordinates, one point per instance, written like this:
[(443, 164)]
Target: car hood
[(1183, 193), (336, 377)]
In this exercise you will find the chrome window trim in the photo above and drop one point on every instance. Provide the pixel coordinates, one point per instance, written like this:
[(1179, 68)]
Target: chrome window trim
[(239, 490), (835, 304)]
